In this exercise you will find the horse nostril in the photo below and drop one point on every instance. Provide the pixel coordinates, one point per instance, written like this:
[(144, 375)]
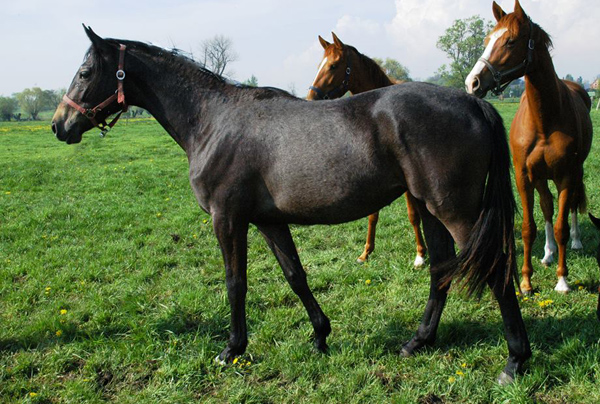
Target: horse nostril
[(476, 83), (54, 129)]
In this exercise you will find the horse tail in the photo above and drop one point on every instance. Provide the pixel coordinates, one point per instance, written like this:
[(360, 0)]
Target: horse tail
[(489, 254), (580, 198)]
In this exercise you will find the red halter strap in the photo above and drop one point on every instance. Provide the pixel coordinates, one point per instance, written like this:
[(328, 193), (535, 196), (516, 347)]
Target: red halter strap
[(119, 96)]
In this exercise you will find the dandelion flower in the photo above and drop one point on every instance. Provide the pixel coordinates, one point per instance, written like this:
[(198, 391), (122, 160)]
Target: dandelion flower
[(158, 214), (368, 282), (33, 394), (451, 379), (460, 373), (464, 365), (58, 333), (235, 361), (63, 312), (580, 287)]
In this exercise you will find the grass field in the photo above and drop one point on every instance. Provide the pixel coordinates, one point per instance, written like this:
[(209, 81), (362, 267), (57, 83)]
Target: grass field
[(112, 290)]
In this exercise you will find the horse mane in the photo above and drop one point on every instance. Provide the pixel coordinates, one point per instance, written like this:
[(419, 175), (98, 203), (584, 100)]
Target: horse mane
[(373, 69), (185, 64), (512, 23)]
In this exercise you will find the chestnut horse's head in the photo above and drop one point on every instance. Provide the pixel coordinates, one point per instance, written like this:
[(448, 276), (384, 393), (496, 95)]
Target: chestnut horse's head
[(596, 223), (509, 52), (95, 92), (334, 71)]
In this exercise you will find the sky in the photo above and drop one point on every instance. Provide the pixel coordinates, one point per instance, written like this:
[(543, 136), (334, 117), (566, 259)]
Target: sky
[(43, 42)]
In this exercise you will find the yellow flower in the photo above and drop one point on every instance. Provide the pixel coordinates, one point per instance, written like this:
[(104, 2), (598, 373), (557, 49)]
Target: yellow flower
[(235, 361), (368, 282), (32, 394), (580, 287), (63, 312), (451, 379), (525, 298), (48, 289), (464, 365), (158, 214), (205, 221), (7, 193), (518, 293), (545, 303), (460, 373), (58, 333)]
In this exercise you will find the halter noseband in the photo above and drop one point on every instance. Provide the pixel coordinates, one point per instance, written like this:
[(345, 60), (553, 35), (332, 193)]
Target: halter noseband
[(339, 90), (501, 75), (119, 96)]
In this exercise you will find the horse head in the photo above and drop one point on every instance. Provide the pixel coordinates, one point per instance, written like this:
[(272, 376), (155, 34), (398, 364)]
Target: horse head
[(95, 93), (332, 77), (596, 223), (508, 53)]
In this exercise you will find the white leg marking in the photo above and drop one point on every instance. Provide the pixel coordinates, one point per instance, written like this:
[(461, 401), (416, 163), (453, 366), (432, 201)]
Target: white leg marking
[(419, 261), (562, 286), (220, 361), (494, 36), (575, 233), (550, 247)]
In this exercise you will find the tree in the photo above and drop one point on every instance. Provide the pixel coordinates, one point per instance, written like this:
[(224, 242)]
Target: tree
[(252, 81), (569, 77), (32, 101), (463, 42), (54, 97), (217, 53), (8, 106), (394, 69)]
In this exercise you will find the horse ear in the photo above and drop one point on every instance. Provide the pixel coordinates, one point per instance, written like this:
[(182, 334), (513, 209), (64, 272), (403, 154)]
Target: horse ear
[(99, 43), (324, 43), (337, 41), (595, 220), (498, 12), (519, 12)]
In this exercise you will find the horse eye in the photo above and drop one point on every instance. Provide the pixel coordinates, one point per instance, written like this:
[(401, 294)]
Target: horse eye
[(333, 66), (84, 74), (510, 43)]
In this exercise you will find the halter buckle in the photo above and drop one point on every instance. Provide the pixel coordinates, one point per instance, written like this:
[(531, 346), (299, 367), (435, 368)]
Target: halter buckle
[(90, 113), (120, 75)]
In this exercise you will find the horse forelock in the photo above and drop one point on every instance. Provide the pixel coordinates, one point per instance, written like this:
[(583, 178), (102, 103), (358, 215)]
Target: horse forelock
[(514, 24)]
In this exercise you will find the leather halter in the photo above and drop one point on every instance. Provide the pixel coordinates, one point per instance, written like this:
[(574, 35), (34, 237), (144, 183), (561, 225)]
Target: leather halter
[(501, 75), (339, 90), (118, 96)]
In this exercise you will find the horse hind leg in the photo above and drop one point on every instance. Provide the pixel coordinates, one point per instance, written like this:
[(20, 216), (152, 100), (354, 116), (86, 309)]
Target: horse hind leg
[(415, 220), (547, 205), (370, 243), (441, 249), (575, 232), (279, 240), (561, 232)]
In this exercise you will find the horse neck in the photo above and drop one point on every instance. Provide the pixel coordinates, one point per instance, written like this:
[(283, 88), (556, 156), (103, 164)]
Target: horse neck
[(542, 90), (365, 74), (174, 90)]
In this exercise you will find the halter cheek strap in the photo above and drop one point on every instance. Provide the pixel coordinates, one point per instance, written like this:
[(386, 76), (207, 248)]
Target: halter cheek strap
[(118, 96), (499, 76), (338, 91)]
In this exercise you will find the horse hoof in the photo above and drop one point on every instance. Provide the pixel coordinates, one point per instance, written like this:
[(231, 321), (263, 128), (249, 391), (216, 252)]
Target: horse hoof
[(220, 361), (419, 261), (405, 353), (562, 286), (547, 260), (360, 260), (505, 379), (526, 292), (576, 245)]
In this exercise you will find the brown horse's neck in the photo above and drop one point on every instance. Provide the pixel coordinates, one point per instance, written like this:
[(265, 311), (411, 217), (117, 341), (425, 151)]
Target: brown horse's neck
[(542, 88), (366, 74)]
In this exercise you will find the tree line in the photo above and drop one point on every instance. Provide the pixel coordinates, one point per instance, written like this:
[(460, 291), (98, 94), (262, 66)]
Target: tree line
[(463, 43)]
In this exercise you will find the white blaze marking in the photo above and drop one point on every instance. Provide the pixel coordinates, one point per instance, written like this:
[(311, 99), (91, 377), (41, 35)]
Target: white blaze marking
[(323, 63), (486, 55)]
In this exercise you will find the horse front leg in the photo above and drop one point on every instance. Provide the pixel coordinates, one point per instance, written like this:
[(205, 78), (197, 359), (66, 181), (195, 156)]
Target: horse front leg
[(233, 240), (547, 205), (528, 230), (415, 220), (279, 240), (370, 244), (441, 249)]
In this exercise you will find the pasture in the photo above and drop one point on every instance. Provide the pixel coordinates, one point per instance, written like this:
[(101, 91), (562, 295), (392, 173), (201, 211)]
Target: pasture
[(112, 290)]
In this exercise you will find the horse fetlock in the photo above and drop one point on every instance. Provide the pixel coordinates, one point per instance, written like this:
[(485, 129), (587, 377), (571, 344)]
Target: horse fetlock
[(548, 256), (419, 261), (576, 245)]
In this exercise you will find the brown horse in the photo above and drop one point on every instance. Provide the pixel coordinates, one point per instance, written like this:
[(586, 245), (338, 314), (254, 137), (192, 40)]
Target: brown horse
[(550, 136), (345, 69)]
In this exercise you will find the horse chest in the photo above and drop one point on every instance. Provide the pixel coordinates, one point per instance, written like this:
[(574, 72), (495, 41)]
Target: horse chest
[(549, 155)]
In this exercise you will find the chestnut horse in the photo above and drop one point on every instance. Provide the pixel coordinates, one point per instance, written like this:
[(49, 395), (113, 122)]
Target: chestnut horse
[(596, 223), (550, 135), (261, 156), (345, 69)]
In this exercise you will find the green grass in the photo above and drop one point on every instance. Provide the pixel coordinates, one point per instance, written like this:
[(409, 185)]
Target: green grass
[(112, 290)]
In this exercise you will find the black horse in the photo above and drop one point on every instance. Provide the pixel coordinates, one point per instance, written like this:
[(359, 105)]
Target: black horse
[(262, 156)]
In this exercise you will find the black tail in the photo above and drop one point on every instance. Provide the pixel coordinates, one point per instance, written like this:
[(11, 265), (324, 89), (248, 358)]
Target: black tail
[(490, 251)]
